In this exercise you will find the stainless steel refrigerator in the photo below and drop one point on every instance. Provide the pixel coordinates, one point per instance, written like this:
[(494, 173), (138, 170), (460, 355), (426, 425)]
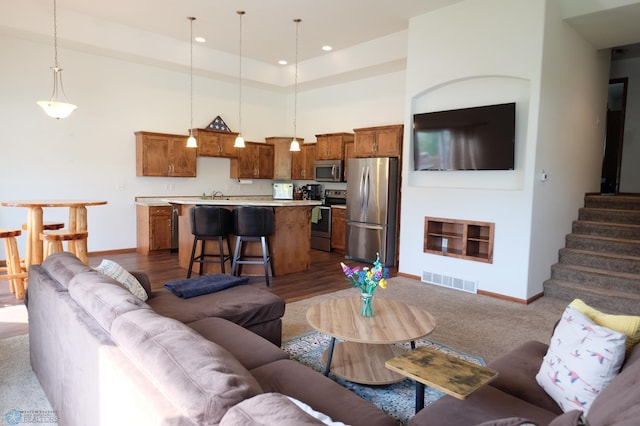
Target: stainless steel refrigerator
[(372, 196)]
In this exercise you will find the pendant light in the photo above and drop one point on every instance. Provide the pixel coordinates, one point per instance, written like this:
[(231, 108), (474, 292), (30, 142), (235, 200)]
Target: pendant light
[(239, 143), (295, 145), (191, 141), (54, 107)]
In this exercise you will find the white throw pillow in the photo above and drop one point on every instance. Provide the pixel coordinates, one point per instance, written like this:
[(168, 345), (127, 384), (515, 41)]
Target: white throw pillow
[(118, 273), (315, 414), (581, 361)]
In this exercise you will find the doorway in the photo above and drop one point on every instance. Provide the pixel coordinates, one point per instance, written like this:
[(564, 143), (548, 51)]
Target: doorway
[(612, 155)]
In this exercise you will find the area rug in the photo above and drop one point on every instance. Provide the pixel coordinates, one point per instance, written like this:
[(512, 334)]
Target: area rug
[(397, 400)]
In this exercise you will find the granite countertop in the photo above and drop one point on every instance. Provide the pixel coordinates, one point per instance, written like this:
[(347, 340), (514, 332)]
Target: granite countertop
[(339, 206), (241, 201)]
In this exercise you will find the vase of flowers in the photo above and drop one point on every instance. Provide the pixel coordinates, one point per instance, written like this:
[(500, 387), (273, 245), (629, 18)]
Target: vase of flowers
[(367, 280)]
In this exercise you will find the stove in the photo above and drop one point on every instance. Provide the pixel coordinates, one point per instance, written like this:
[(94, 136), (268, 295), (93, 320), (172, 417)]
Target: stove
[(321, 219)]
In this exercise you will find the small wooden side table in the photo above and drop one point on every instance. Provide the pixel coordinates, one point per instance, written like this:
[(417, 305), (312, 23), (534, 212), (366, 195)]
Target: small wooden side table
[(449, 374)]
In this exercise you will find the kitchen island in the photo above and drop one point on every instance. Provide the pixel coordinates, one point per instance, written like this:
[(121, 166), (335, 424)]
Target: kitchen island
[(290, 244)]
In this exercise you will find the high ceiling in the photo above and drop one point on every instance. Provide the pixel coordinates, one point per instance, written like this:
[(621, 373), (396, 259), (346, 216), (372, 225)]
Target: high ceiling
[(268, 28)]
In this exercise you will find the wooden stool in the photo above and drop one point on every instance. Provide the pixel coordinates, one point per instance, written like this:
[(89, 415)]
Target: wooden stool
[(14, 271), (53, 243), (47, 226)]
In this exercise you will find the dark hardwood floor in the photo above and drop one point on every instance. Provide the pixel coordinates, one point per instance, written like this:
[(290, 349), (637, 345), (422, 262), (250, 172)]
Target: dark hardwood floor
[(324, 276)]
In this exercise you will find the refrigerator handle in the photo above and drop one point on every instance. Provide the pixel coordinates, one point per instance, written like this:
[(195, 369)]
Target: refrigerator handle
[(366, 189), (361, 189)]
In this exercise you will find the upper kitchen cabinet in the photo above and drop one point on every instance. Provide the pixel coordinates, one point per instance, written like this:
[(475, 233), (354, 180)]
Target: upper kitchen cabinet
[(282, 157), (161, 154), (255, 161), (382, 141), (215, 143), (331, 146), (302, 162)]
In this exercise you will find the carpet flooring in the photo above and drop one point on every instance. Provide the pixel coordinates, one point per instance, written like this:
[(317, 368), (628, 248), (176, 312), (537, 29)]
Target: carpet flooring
[(397, 399)]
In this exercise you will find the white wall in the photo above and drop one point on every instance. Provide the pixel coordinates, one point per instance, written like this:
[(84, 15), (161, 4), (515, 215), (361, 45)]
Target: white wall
[(571, 128), (630, 172), (488, 52)]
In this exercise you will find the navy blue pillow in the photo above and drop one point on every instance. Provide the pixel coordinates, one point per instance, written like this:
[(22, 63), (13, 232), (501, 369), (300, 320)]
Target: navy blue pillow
[(192, 287)]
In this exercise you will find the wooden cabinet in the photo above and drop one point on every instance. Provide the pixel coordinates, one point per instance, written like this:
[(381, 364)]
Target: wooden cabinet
[(153, 227), (302, 162), (255, 161), (282, 157), (348, 153), (161, 154), (331, 146), (215, 143), (459, 238), (338, 229), (382, 141)]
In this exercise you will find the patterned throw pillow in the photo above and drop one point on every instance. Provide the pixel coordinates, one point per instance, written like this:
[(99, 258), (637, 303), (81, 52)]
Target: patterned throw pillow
[(581, 361), (118, 273)]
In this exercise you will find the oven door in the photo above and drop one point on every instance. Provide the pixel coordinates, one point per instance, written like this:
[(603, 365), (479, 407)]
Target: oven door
[(321, 229)]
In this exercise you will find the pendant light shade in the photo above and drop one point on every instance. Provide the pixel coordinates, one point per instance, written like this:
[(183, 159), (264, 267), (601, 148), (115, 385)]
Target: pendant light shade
[(57, 107), (191, 141), (295, 145), (239, 143)]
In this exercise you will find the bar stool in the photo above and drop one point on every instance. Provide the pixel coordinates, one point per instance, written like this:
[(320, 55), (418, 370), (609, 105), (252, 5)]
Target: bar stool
[(209, 223), (253, 224), (53, 243), (14, 271)]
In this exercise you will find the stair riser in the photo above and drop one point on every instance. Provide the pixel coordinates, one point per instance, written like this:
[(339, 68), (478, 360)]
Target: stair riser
[(594, 260), (600, 280), (607, 304), (610, 216), (607, 230), (581, 242), (609, 202)]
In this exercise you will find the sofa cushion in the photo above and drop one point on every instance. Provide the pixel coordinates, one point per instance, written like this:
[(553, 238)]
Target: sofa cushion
[(243, 305), (293, 379), (63, 266), (102, 297), (250, 349), (201, 378), (269, 409), (484, 405), (118, 273), (581, 361), (619, 402), (627, 324), (517, 375)]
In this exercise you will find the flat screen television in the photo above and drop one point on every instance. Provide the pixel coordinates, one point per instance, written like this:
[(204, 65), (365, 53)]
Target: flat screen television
[(477, 138)]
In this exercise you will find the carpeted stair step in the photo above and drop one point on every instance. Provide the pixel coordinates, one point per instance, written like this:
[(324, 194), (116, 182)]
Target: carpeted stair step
[(594, 277), (605, 299), (603, 244), (608, 261), (630, 217), (618, 202), (613, 230)]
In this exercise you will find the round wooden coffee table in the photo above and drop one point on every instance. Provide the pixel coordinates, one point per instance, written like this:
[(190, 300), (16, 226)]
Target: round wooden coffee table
[(367, 342)]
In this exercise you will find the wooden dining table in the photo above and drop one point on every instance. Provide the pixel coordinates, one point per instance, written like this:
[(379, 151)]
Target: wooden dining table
[(77, 222)]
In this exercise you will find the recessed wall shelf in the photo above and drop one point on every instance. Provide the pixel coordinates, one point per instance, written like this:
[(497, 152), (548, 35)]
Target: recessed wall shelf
[(464, 239)]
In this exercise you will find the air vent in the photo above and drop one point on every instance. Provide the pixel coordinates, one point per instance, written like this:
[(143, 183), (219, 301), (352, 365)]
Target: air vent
[(455, 283)]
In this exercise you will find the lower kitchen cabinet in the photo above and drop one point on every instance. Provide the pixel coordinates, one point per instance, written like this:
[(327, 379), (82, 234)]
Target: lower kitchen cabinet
[(153, 225), (338, 229)]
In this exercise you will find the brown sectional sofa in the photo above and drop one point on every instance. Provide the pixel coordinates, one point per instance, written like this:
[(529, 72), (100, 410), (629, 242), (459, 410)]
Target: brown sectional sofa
[(515, 397), (105, 357)]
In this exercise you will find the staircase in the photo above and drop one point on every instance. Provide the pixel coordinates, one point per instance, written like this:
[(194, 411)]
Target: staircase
[(601, 261)]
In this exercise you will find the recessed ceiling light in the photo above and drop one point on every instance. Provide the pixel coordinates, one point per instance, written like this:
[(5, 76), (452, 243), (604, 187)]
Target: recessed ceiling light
[(282, 62), (327, 48), (200, 39)]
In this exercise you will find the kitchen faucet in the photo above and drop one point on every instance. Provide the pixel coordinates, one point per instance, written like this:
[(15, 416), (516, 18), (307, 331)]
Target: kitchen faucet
[(215, 194)]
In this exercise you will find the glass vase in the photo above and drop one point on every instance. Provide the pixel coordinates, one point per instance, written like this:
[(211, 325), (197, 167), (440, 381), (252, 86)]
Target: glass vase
[(367, 305)]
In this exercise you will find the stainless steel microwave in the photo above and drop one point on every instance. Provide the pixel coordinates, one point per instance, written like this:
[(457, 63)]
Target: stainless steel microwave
[(327, 170)]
